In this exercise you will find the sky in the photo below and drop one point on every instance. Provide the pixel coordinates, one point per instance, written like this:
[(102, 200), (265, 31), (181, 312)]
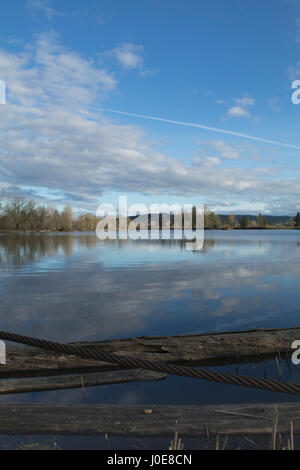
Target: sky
[(173, 101)]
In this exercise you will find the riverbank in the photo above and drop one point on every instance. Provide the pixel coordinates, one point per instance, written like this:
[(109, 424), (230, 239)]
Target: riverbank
[(171, 229)]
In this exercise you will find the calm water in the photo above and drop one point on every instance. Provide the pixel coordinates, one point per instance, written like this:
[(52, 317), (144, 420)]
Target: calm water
[(73, 287)]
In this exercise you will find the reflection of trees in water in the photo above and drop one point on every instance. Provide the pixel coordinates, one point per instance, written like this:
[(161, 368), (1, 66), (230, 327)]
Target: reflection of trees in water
[(208, 244), (18, 248), (251, 245)]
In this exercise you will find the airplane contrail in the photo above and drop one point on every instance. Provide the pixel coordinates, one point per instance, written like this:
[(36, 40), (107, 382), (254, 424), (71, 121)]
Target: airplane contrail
[(201, 126)]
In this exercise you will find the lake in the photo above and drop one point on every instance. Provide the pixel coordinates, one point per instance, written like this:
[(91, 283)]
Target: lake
[(74, 287)]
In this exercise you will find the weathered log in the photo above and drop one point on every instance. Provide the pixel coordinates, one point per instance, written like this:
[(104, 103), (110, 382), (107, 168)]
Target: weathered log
[(151, 421), (39, 384), (204, 349)]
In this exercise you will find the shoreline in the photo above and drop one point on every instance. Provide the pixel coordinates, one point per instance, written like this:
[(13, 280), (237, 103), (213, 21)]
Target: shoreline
[(24, 232)]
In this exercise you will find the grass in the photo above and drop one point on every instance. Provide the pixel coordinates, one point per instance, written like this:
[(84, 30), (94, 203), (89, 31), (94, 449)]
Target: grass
[(177, 443), (277, 441)]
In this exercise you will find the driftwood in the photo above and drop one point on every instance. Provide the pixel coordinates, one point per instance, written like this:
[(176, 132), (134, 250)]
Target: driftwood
[(152, 421), (39, 384), (205, 349)]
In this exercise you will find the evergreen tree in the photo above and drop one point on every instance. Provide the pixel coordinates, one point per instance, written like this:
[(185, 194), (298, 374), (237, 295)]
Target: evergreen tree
[(261, 221), (244, 223)]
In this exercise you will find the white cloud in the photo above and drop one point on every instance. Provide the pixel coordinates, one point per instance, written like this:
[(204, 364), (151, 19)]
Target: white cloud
[(212, 161), (47, 73), (14, 41), (51, 139), (43, 6), (237, 111), (294, 71), (226, 151), (274, 103), (129, 55), (244, 102)]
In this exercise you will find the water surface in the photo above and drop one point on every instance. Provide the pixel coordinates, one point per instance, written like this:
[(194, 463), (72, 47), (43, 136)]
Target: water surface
[(74, 287)]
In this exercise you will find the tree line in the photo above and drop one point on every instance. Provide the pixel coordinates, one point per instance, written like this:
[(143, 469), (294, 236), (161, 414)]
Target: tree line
[(232, 222), (20, 214), (24, 215)]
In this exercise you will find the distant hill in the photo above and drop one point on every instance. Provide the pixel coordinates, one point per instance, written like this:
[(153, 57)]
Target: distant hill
[(272, 219)]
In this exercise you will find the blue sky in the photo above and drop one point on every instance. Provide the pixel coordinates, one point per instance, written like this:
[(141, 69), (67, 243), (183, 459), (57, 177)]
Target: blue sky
[(222, 64)]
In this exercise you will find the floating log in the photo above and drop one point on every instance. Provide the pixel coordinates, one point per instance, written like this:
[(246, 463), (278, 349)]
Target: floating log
[(202, 350), (150, 421), (39, 384)]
